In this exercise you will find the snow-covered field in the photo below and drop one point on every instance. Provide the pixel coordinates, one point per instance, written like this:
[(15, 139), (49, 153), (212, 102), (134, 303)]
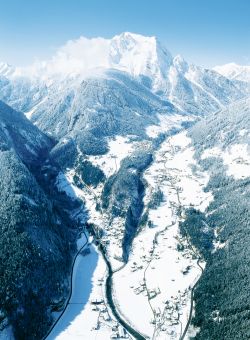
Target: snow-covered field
[(166, 123), (83, 318), (236, 158), (87, 315), (119, 148), (152, 291)]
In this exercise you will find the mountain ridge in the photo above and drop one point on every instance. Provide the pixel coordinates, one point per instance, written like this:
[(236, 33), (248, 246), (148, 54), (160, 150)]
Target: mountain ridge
[(234, 71), (190, 88)]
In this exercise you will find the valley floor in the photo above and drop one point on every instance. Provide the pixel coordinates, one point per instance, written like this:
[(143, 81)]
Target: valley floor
[(152, 291)]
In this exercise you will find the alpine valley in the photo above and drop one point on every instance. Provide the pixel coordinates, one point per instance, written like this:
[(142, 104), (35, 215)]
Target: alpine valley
[(124, 187)]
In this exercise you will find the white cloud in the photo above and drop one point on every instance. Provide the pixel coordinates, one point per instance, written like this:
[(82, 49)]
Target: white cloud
[(76, 56)]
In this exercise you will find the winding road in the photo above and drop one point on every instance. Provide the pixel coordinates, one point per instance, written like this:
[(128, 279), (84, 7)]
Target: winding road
[(109, 278), (108, 284), (109, 295), (109, 281)]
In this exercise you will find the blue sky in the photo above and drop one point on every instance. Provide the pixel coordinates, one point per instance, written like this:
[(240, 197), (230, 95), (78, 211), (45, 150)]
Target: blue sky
[(206, 32)]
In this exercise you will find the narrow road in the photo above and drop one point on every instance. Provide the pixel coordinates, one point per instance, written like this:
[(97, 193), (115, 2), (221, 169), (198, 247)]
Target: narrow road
[(180, 206), (109, 295), (109, 281)]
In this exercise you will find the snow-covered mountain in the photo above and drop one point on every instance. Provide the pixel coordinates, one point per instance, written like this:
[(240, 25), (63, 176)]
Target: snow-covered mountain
[(34, 235), (221, 142), (106, 104), (141, 57), (105, 157), (19, 134), (190, 88), (234, 72), (21, 93)]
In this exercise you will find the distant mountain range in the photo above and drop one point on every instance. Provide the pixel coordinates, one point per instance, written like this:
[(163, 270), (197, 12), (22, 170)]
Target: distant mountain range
[(191, 89)]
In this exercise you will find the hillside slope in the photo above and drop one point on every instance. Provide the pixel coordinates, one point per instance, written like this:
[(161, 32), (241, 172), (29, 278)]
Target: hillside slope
[(190, 88), (35, 254), (222, 296), (234, 71)]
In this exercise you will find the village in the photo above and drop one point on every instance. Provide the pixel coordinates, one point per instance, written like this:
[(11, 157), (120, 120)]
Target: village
[(104, 318), (162, 267)]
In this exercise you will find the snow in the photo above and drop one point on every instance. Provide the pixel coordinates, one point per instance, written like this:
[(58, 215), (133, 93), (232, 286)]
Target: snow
[(165, 271), (166, 123), (65, 185), (139, 55), (102, 220), (191, 76), (144, 59), (30, 149), (133, 53), (236, 158), (168, 273), (160, 271), (173, 79), (243, 132), (213, 152), (30, 200), (79, 318), (190, 186), (119, 148), (234, 71), (164, 276), (29, 114)]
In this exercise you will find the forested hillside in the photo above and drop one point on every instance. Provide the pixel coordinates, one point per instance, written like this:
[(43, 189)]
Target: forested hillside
[(222, 297), (34, 239)]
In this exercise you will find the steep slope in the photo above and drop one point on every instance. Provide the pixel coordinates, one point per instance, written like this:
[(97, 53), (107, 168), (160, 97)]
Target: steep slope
[(200, 91), (108, 104), (19, 135), (192, 89), (222, 295), (101, 113), (21, 93), (142, 57), (100, 107), (34, 248)]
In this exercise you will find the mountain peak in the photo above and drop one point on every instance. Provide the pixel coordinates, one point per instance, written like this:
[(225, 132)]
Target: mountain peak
[(134, 36), (139, 55), (234, 71), (130, 52), (180, 63)]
